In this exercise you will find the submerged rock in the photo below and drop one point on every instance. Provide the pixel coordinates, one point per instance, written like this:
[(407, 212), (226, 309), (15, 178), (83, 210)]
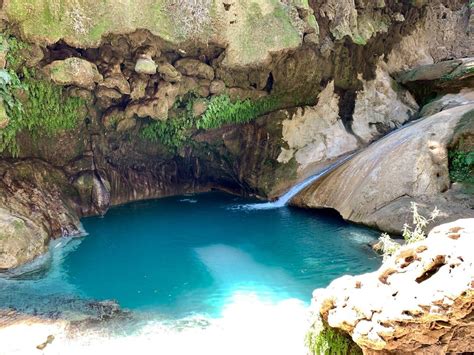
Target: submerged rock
[(419, 302)]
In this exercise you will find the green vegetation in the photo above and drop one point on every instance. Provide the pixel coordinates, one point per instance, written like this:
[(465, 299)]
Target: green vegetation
[(174, 132), (32, 104), (14, 49), (459, 73), (13, 110), (221, 111), (411, 234), (358, 39), (461, 166), (329, 341)]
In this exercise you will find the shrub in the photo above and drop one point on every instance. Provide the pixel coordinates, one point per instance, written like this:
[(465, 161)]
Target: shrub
[(34, 105), (14, 49), (9, 84), (411, 234), (329, 341), (221, 111), (172, 133), (461, 166)]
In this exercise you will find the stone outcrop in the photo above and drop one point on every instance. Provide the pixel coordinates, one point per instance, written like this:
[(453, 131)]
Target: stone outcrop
[(231, 25), (36, 203), (74, 71), (315, 134), (376, 187), (419, 302), (442, 33)]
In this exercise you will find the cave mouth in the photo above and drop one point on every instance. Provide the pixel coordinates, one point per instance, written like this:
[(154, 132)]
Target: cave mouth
[(198, 262)]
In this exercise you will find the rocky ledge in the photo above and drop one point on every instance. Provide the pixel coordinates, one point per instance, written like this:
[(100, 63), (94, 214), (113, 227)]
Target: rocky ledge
[(419, 302)]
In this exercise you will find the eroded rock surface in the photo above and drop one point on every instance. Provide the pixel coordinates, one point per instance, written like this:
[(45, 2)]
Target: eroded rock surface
[(376, 187), (36, 203), (419, 302), (74, 71)]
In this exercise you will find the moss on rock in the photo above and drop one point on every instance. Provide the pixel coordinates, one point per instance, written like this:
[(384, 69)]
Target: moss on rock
[(251, 29)]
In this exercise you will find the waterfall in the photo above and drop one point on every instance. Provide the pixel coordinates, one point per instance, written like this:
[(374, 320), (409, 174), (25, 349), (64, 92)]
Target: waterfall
[(284, 199)]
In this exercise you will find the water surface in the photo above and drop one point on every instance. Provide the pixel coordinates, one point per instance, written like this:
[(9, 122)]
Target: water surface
[(204, 256)]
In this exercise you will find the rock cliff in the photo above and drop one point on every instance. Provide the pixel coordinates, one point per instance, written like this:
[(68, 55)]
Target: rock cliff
[(419, 302), (161, 97)]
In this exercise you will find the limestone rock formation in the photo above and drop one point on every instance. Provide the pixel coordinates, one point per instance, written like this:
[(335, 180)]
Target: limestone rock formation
[(327, 68), (318, 134), (381, 106), (419, 302), (376, 187), (145, 65), (35, 205), (315, 134), (179, 22), (74, 71)]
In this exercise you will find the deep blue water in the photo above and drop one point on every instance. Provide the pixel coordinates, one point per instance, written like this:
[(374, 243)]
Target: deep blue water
[(190, 254)]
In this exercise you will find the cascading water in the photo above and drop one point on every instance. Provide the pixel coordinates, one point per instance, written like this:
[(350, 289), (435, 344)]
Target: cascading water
[(284, 199)]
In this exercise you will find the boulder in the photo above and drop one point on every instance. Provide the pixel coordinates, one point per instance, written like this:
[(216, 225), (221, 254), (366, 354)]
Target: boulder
[(199, 107), (169, 73), (194, 67), (118, 82), (455, 69), (74, 71), (420, 301), (145, 65), (156, 109), (217, 87), (138, 87), (20, 240), (445, 102), (376, 187)]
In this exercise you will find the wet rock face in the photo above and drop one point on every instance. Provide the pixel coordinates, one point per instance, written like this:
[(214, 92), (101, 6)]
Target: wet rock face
[(36, 203), (420, 301), (409, 165)]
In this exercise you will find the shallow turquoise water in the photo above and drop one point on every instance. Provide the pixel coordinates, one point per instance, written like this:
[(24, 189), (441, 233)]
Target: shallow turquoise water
[(192, 254)]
